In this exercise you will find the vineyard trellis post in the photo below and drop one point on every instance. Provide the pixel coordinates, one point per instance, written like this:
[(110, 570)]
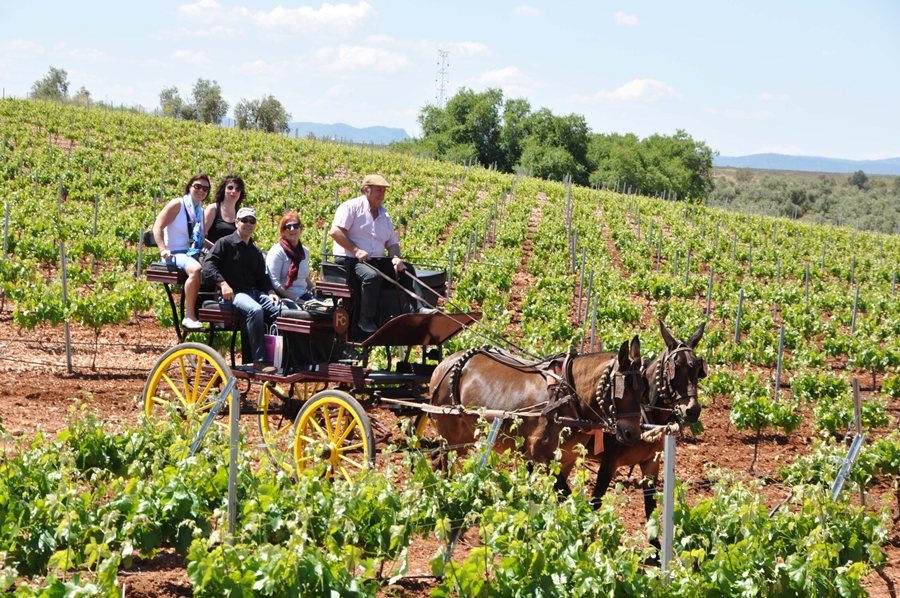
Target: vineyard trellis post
[(855, 309), (737, 325), (65, 300), (709, 292), (594, 324), (6, 230), (778, 365), (668, 526), (806, 281)]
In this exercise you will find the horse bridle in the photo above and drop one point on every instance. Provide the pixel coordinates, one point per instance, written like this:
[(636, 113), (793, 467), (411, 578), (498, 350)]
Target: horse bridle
[(613, 381), (663, 384)]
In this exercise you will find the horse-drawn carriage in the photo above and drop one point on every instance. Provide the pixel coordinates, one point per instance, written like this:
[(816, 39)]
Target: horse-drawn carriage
[(317, 408)]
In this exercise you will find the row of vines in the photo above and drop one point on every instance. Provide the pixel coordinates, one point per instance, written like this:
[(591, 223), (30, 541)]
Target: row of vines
[(93, 180)]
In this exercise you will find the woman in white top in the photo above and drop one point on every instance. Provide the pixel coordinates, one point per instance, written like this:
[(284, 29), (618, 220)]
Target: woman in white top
[(178, 231), (288, 264)]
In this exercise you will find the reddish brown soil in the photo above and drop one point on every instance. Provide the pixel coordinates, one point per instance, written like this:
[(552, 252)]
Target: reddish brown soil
[(36, 393)]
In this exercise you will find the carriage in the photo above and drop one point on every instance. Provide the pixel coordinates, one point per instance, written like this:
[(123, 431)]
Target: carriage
[(317, 408)]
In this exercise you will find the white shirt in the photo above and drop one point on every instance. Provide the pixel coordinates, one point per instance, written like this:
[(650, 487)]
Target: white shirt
[(373, 235)]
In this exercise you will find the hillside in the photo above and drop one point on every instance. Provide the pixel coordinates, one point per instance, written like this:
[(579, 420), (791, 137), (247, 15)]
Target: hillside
[(889, 166), (549, 266)]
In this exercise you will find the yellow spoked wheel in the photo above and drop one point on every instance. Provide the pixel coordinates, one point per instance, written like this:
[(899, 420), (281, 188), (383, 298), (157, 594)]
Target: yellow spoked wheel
[(333, 428), (187, 379), (278, 408)]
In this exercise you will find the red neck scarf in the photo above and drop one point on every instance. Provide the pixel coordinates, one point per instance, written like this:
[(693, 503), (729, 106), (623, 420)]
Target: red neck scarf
[(296, 255)]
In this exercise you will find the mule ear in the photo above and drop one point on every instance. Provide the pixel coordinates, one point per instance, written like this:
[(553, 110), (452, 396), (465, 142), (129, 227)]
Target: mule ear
[(636, 349), (704, 370), (670, 368), (671, 343), (623, 356), (695, 338)]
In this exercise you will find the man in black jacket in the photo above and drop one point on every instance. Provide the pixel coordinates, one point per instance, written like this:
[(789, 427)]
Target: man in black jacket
[(238, 268)]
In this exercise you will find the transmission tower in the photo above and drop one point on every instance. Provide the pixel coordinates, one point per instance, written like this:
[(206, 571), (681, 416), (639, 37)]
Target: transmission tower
[(443, 76)]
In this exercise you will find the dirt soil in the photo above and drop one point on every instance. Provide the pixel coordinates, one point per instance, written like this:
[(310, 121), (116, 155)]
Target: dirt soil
[(36, 393)]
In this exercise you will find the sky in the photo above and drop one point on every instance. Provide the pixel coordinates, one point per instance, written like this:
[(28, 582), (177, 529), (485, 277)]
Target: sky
[(802, 77)]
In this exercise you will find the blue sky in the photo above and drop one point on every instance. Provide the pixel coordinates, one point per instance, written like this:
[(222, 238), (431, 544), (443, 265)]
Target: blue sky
[(798, 77)]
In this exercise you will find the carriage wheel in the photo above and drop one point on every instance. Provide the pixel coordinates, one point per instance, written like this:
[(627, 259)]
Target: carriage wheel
[(188, 379), (278, 408), (333, 428)]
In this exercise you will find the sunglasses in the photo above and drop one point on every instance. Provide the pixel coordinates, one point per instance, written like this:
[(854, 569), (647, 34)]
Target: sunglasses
[(199, 187), (293, 225), (248, 220), (233, 188)]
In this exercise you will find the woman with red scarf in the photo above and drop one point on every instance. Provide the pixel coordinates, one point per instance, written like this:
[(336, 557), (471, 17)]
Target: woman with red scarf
[(288, 264)]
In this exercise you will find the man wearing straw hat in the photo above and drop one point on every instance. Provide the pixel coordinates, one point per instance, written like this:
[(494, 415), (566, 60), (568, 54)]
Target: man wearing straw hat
[(363, 232)]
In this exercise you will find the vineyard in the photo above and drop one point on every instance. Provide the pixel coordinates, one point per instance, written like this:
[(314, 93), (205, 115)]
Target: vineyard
[(550, 265)]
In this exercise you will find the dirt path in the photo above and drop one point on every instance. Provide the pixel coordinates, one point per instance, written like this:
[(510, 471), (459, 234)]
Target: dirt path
[(522, 281)]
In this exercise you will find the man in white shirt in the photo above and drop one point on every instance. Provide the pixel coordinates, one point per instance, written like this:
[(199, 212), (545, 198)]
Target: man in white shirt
[(362, 233)]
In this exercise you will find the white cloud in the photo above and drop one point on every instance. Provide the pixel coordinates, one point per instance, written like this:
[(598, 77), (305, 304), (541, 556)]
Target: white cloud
[(505, 76), (340, 18), (338, 90), (466, 48), (742, 114), (527, 11), (258, 67), (20, 47), (828, 53), (360, 58), (89, 55), (638, 90), (192, 57), (626, 20), (771, 97), (154, 62), (215, 31)]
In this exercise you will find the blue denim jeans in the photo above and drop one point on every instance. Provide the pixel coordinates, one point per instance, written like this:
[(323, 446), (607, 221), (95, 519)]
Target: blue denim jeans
[(259, 312)]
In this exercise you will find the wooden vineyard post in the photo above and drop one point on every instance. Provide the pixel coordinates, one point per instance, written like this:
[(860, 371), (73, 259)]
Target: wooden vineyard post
[(737, 325), (855, 309), (687, 269), (450, 274), (594, 324), (709, 292), (140, 259)]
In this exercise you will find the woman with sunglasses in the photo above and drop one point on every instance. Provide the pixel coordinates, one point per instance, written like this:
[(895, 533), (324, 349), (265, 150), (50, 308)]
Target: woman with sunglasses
[(178, 231), (288, 264), (218, 219)]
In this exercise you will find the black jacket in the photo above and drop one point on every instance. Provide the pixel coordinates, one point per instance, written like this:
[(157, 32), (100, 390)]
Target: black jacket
[(240, 264)]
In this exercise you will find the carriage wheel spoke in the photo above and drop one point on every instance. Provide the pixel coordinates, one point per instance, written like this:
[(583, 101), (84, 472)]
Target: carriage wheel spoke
[(327, 417), (175, 390), (347, 432), (353, 462)]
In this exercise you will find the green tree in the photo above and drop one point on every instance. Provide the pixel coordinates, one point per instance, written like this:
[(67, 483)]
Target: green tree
[(54, 86), (859, 179), (82, 96), (266, 114), (211, 108), (171, 103)]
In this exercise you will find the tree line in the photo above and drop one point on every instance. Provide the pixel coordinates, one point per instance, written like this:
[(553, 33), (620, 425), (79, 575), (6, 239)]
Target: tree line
[(208, 106), (509, 136)]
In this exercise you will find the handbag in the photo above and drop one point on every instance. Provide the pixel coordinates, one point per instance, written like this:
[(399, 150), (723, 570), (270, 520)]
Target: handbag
[(275, 348)]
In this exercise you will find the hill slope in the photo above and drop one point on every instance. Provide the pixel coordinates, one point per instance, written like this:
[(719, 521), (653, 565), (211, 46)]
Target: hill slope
[(890, 166)]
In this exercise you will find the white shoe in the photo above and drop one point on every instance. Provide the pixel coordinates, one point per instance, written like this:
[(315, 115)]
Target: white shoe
[(191, 324)]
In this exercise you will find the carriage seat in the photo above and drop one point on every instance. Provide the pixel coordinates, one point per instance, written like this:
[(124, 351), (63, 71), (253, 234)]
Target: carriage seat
[(435, 280)]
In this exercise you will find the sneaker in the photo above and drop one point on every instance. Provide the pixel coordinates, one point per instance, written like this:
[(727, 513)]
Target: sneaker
[(191, 324), (428, 311), (367, 325), (265, 367)]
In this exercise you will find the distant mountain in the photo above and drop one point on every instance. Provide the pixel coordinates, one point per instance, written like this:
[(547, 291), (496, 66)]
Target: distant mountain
[(340, 131), (809, 164)]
